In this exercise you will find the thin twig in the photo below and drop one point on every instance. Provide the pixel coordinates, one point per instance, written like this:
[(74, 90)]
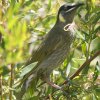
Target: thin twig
[(11, 82), (83, 66)]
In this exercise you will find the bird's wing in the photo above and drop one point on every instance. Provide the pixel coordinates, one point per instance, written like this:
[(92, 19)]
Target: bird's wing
[(48, 46), (51, 43)]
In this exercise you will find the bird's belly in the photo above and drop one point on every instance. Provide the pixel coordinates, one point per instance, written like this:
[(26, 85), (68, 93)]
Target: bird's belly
[(54, 60)]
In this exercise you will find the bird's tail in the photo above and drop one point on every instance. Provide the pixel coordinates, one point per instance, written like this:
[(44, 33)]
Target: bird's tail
[(31, 81)]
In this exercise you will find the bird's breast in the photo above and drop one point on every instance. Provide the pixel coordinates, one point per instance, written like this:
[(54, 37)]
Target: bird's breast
[(54, 60), (58, 56)]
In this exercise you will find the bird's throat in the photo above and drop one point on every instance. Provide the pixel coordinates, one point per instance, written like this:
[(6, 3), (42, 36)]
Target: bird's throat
[(61, 18)]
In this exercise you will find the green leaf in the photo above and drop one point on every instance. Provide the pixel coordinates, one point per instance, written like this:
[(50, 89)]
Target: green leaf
[(84, 48), (96, 18), (49, 5), (2, 30), (28, 3), (85, 33), (34, 98), (97, 29), (68, 69), (12, 22), (95, 44), (96, 72), (93, 3), (27, 69), (78, 33)]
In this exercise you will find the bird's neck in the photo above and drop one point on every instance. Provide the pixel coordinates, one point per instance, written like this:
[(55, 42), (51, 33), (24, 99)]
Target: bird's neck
[(62, 24)]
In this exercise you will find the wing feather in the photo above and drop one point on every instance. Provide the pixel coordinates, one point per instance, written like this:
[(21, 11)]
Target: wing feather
[(51, 42)]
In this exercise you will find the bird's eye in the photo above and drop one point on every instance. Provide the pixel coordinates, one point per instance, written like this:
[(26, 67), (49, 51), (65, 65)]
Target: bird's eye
[(67, 8)]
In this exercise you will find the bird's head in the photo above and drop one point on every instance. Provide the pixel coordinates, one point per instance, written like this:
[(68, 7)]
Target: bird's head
[(66, 12)]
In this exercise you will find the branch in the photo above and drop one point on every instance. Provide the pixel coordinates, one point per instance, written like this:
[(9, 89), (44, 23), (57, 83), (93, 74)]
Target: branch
[(87, 62)]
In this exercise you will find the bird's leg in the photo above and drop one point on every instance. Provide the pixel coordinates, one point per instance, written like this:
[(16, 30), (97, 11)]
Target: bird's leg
[(55, 86), (52, 84)]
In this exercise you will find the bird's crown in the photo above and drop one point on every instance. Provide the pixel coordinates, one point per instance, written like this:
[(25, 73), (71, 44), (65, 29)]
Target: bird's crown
[(67, 11)]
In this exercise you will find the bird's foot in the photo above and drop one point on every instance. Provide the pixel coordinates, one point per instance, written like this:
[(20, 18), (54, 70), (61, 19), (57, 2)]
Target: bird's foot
[(53, 84), (57, 87)]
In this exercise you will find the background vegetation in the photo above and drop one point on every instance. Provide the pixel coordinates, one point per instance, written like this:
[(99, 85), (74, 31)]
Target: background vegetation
[(23, 24)]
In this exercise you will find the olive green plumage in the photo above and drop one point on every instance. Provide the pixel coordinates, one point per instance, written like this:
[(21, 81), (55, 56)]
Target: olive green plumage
[(53, 50)]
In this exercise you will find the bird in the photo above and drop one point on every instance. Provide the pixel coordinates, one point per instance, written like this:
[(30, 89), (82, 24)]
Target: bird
[(53, 50)]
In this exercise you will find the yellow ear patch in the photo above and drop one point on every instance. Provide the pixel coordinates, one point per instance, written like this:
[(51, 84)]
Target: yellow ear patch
[(61, 18)]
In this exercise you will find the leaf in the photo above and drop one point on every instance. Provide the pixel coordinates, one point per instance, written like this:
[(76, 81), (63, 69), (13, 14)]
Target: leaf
[(27, 69), (68, 69), (95, 44), (85, 33), (84, 48), (93, 3), (97, 18), (12, 22), (13, 2), (34, 98), (27, 3), (78, 33), (97, 29), (96, 72), (49, 4), (2, 30)]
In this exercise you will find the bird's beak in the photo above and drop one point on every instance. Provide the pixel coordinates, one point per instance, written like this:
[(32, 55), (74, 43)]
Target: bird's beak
[(74, 6), (77, 5)]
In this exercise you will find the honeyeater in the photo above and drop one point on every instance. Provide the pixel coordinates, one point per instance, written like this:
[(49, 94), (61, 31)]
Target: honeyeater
[(53, 50)]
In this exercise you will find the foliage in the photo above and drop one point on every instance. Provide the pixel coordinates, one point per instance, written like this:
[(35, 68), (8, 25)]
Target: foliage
[(23, 24)]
